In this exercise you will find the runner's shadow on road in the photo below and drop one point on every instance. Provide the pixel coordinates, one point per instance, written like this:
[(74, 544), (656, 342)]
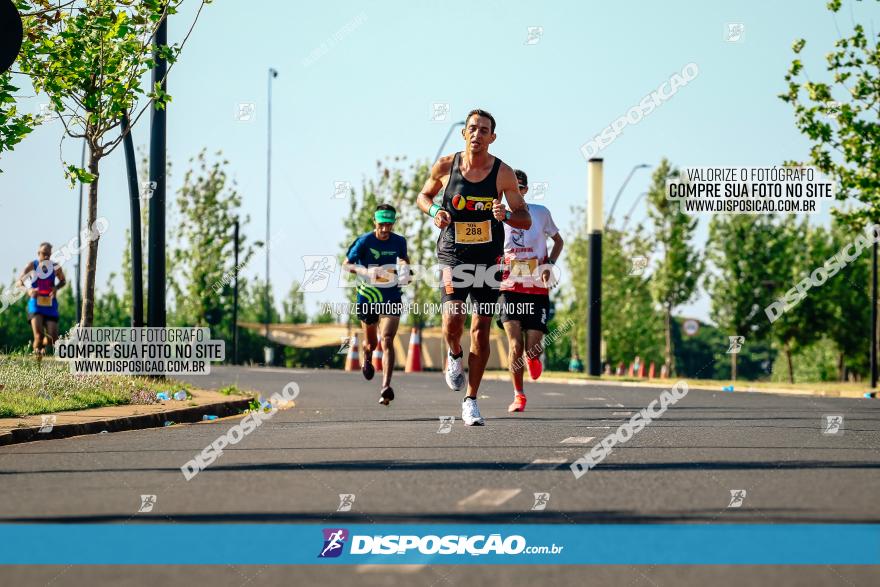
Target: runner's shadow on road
[(744, 515), (396, 465)]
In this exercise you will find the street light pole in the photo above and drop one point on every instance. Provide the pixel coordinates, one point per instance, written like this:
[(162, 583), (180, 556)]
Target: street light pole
[(235, 301), (620, 191), (448, 134), (594, 284), (631, 210), (874, 317), (273, 73)]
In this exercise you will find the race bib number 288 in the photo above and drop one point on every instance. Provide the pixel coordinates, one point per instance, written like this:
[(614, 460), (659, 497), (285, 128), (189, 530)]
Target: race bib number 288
[(473, 232)]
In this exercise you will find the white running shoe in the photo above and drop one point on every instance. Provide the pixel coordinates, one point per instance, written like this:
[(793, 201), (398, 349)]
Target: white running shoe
[(454, 373), (470, 413)]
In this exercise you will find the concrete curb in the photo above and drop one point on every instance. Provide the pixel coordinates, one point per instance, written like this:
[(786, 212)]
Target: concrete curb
[(138, 422)]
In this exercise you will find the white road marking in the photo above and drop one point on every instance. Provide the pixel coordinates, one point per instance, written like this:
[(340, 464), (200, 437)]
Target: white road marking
[(576, 382), (552, 393), (278, 370), (595, 399), (621, 413), (400, 569), (614, 405), (544, 464), (598, 427), (577, 440), (489, 497)]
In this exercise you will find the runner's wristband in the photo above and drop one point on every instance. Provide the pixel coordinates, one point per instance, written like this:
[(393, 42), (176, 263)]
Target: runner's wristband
[(507, 215), (432, 211)]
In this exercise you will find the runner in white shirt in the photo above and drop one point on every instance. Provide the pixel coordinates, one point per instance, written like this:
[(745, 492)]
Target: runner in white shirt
[(525, 292)]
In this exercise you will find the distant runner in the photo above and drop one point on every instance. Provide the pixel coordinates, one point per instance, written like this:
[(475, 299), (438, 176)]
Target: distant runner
[(471, 245), (374, 257), (43, 279), (524, 303)]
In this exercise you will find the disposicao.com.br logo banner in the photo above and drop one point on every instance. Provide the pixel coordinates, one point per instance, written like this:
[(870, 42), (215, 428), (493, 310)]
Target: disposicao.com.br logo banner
[(474, 544), (447, 544)]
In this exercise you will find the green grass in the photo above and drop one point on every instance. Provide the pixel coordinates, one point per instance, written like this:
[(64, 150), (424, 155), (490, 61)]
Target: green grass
[(28, 387), (232, 390)]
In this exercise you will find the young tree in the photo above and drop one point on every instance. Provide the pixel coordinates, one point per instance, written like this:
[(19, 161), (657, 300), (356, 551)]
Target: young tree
[(252, 308), (295, 306), (88, 57), (630, 324), (675, 277), (747, 252), (805, 249), (848, 290), (839, 116), (203, 255)]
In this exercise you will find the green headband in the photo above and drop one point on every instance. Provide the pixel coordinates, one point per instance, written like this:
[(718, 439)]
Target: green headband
[(384, 216)]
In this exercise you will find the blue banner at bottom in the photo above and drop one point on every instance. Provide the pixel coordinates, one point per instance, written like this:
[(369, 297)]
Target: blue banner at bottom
[(454, 544)]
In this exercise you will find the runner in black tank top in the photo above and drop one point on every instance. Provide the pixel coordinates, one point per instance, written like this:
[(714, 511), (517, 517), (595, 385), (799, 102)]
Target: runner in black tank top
[(470, 246), (474, 235)]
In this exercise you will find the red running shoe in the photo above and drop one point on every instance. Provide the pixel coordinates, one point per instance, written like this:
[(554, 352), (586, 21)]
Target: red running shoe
[(519, 403), (535, 368)]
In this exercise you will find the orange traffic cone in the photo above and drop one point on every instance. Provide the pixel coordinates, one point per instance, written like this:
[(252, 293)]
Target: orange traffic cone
[(641, 369), (414, 356), (353, 361), (651, 371), (377, 356)]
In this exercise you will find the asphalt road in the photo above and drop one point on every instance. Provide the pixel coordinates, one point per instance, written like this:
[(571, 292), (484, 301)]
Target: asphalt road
[(339, 440)]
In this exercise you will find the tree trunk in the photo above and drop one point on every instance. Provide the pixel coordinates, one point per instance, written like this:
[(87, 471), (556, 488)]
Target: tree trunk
[(790, 366), (841, 368), (670, 358), (88, 300)]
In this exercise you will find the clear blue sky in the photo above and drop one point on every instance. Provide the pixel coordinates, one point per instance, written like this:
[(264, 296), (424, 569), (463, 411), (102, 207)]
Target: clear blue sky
[(370, 94)]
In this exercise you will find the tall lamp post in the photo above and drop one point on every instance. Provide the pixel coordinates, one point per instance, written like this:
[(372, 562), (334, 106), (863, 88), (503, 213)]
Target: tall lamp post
[(273, 73), (594, 285), (620, 191), (874, 316)]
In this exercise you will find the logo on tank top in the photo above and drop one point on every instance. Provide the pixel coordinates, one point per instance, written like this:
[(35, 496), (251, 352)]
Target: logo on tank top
[(517, 237), (460, 202)]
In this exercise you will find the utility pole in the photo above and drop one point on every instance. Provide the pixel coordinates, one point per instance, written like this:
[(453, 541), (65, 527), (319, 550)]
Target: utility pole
[(137, 270), (156, 270)]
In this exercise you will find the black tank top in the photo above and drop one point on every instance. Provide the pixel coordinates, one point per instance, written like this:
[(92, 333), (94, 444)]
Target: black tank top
[(478, 238)]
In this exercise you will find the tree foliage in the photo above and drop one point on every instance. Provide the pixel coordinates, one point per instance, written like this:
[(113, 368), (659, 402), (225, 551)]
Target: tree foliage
[(680, 265), (88, 58), (839, 116)]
